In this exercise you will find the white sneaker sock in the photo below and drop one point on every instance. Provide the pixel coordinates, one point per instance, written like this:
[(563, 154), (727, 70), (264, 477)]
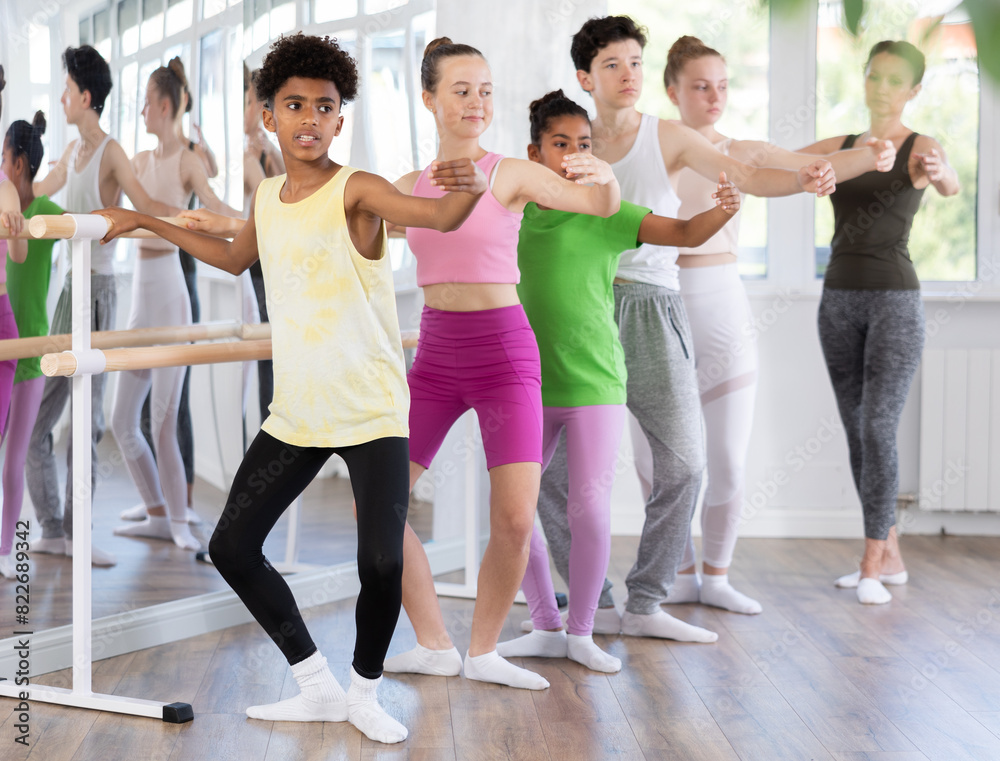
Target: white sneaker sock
[(663, 625), (7, 567), (583, 650), (850, 581), (490, 667), (872, 592), (138, 513), (718, 592), (687, 587), (55, 546), (161, 527), (321, 697), (364, 712), (607, 621), (98, 556), (422, 660), (537, 644)]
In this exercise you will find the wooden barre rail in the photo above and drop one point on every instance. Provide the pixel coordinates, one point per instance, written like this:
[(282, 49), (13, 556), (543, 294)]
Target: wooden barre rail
[(60, 227), (147, 357), (22, 348)]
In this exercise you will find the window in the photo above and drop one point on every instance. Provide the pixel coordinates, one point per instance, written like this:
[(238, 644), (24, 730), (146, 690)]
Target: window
[(741, 33), (943, 239)]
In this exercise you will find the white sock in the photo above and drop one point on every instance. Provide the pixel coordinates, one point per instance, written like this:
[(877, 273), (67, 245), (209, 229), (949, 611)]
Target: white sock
[(607, 621), (717, 591), (7, 567), (583, 650), (490, 667), (150, 527), (321, 697), (663, 625), (850, 581), (182, 536), (687, 588), (537, 644), (872, 592), (138, 513), (364, 712), (422, 660)]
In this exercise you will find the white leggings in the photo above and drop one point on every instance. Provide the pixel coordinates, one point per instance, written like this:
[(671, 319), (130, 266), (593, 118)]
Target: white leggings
[(725, 350), (159, 297)]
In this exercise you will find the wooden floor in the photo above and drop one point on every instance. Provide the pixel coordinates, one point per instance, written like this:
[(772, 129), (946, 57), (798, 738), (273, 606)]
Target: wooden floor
[(816, 676)]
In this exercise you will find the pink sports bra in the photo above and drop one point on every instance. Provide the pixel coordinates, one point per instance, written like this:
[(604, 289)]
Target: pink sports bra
[(482, 250)]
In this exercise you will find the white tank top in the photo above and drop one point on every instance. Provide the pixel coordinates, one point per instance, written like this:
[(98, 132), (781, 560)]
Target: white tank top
[(695, 193), (83, 195), (644, 181), (161, 179)]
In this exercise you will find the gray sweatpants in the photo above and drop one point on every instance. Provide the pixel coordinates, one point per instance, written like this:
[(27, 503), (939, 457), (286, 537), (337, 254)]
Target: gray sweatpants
[(41, 474), (663, 396), (872, 342)]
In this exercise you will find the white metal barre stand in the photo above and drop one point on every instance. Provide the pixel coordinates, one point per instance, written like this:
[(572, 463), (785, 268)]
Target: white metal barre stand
[(88, 228)]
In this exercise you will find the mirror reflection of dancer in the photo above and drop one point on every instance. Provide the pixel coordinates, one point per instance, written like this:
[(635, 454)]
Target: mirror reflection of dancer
[(871, 317), (477, 350), (20, 282), (95, 171), (172, 174), (646, 153), (340, 383), (725, 346), (568, 264)]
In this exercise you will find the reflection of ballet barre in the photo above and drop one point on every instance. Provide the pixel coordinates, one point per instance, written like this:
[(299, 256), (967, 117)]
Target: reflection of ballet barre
[(60, 226), (21, 348)]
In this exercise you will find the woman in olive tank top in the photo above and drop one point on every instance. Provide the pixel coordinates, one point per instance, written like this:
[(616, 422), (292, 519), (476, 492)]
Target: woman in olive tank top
[(871, 318)]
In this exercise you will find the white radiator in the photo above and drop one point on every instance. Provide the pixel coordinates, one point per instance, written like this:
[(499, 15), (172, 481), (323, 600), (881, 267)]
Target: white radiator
[(960, 430)]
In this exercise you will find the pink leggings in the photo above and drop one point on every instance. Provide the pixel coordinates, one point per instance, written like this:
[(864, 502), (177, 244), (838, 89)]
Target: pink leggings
[(25, 400), (592, 437)]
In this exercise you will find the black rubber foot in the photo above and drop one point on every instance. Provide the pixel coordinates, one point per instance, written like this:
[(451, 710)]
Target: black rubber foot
[(203, 557), (177, 713), (561, 601)]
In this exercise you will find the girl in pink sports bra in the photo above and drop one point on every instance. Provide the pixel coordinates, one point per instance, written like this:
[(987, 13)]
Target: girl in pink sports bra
[(477, 350), (170, 174)]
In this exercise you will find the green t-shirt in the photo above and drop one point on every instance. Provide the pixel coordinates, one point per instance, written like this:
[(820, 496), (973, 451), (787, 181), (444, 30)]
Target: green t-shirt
[(28, 286), (568, 263)]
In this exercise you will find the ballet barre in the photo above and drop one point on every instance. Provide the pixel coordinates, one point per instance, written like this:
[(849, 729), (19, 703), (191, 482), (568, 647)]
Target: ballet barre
[(70, 363), (22, 348), (64, 227)]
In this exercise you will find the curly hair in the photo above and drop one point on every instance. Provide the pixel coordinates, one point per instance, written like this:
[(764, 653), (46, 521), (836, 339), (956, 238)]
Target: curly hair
[(551, 106), (598, 33), (309, 57)]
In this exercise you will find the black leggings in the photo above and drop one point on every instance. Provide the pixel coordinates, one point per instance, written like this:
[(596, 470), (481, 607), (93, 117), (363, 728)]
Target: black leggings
[(270, 477)]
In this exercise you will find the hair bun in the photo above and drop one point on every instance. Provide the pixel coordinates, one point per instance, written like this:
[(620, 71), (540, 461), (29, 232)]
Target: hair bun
[(3, 82), (38, 122), (435, 44), (176, 65)]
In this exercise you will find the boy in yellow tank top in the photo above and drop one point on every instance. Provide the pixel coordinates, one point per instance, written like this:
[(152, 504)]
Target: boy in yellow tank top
[(339, 379)]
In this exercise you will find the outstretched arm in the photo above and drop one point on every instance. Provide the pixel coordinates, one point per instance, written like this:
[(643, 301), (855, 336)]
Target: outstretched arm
[(932, 162), (121, 170), (204, 152), (53, 182), (12, 221), (195, 178), (377, 197), (233, 257), (687, 148), (593, 188), (690, 233), (874, 155)]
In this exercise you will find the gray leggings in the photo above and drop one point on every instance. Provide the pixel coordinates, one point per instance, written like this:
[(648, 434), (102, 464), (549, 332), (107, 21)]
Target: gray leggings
[(872, 342)]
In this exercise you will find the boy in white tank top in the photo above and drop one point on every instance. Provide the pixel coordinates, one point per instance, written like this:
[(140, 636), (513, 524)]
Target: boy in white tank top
[(646, 153), (95, 170)]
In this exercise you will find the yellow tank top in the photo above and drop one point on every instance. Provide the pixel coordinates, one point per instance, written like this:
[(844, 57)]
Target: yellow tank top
[(339, 377)]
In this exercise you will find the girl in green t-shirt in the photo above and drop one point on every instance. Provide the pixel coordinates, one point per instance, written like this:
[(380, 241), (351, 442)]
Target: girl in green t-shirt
[(28, 286), (568, 263)]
